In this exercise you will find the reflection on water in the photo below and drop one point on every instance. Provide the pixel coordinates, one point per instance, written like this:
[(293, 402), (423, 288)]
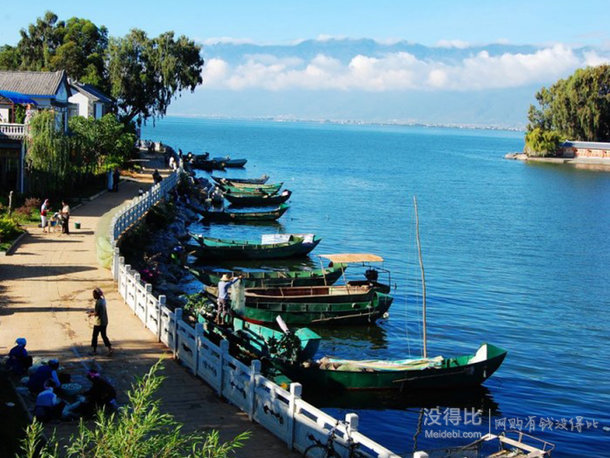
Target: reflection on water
[(478, 398), (340, 341)]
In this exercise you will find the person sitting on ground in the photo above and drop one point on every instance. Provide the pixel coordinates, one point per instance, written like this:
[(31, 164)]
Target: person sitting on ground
[(42, 374), (101, 395), (48, 405), (18, 359), (157, 176)]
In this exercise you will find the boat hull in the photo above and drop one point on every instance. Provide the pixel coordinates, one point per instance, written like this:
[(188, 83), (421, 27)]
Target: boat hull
[(240, 217), (454, 373), (314, 311), (261, 180), (316, 277), (256, 200), (257, 341), (245, 250)]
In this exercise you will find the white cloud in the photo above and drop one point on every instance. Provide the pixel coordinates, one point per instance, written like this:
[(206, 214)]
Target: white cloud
[(226, 40), (397, 71), (453, 44), (593, 59)]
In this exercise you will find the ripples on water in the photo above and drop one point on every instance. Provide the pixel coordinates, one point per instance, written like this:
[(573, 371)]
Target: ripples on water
[(515, 254)]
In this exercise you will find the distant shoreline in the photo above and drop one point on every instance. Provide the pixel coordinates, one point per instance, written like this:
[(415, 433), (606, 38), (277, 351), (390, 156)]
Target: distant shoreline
[(464, 126)]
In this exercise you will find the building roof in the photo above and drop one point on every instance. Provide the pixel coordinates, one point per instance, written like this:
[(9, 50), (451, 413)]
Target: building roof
[(589, 145), (15, 97), (42, 84), (90, 92)]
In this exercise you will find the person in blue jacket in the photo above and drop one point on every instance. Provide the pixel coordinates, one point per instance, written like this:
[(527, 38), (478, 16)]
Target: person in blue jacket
[(18, 359)]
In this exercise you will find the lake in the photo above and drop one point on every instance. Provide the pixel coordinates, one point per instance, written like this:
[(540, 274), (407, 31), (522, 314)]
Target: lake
[(515, 254)]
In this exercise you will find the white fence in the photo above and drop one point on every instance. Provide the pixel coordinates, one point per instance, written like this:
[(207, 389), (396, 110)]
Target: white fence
[(13, 131), (300, 425)]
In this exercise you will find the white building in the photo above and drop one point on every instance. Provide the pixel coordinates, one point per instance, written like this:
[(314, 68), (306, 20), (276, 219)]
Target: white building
[(87, 101)]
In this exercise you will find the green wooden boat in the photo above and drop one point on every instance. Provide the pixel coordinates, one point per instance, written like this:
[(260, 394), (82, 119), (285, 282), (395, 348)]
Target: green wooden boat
[(257, 200), (403, 375), (268, 278), (243, 217), (212, 248), (312, 305), (252, 181), (247, 188), (257, 341)]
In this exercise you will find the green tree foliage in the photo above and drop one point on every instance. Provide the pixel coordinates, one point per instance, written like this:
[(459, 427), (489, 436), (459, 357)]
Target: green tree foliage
[(9, 58), (140, 429), (82, 52), (576, 108), (540, 142), (100, 143), (145, 74), (60, 162), (39, 42), (48, 152)]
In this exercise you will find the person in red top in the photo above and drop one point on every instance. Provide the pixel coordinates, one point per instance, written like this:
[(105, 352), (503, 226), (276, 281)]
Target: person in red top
[(43, 215)]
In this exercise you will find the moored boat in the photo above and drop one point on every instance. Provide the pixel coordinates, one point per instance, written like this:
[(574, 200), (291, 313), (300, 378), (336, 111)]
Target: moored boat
[(257, 200), (262, 180), (268, 278), (321, 305), (256, 341), (212, 248), (241, 217), (245, 188), (423, 373), (230, 163)]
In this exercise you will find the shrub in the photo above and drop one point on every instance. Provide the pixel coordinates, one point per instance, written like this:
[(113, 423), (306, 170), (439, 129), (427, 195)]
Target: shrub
[(140, 429), (540, 142), (9, 229)]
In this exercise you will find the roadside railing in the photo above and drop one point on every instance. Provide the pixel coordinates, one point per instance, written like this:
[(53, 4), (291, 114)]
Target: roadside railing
[(299, 424)]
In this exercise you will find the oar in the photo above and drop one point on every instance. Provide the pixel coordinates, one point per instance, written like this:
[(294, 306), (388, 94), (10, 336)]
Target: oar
[(282, 324)]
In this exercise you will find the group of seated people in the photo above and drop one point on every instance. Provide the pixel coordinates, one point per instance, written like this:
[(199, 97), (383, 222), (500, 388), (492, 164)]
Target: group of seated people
[(45, 382)]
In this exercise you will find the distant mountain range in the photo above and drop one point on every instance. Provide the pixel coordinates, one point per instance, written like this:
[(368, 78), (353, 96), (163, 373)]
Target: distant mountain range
[(363, 80)]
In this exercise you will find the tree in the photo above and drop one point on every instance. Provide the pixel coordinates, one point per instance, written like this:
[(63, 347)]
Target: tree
[(82, 51), (577, 108), (143, 74), (9, 58), (100, 143), (146, 74), (39, 42), (140, 429), (48, 154)]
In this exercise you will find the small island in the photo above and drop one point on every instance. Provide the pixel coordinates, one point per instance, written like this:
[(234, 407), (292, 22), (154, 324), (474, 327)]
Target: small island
[(571, 122)]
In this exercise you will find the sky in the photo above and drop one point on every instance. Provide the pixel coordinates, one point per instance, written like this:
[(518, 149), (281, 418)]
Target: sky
[(274, 21), (469, 82)]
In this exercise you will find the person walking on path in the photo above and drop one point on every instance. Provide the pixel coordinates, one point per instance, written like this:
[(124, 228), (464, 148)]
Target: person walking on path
[(43, 215), (101, 321), (65, 217)]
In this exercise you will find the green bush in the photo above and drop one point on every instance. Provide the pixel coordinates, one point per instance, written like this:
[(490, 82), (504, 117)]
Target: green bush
[(139, 430), (9, 229), (540, 142)]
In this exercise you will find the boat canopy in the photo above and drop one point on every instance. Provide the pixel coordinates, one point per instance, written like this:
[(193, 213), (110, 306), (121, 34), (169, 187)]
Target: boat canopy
[(346, 258)]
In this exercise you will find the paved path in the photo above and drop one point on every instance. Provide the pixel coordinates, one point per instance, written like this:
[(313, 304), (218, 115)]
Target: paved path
[(45, 290)]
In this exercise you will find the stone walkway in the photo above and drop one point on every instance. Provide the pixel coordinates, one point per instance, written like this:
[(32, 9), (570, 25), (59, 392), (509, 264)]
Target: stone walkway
[(45, 291)]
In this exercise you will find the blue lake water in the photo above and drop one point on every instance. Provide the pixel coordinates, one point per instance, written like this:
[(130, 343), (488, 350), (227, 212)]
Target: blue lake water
[(515, 254)]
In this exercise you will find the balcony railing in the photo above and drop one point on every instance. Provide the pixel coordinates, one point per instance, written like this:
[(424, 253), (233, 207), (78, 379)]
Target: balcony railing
[(12, 131)]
